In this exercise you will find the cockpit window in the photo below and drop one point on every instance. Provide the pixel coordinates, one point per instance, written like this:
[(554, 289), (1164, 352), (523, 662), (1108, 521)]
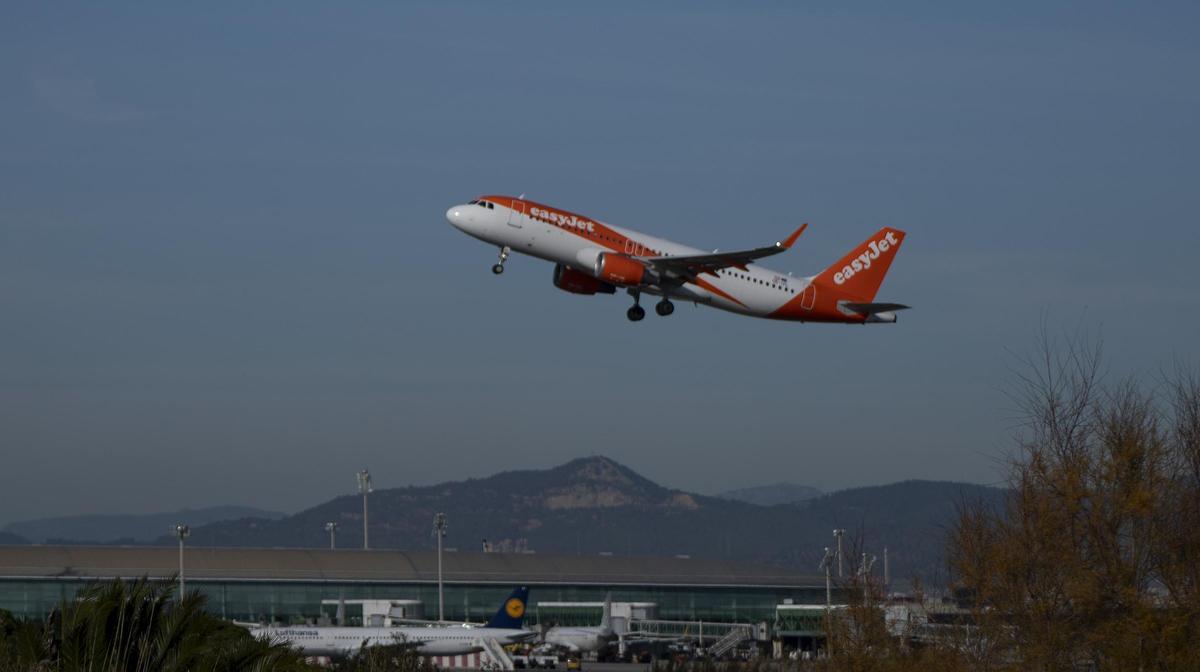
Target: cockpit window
[(472, 202)]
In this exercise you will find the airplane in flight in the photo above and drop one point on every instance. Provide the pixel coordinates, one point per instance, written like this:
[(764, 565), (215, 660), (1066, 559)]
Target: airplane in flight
[(504, 628), (591, 257), (585, 638)]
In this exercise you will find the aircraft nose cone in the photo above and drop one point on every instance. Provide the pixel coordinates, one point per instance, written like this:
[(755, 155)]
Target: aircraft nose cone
[(467, 218), (457, 217)]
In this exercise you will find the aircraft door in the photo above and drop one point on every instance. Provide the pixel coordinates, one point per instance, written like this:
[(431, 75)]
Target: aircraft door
[(809, 297), (516, 215)]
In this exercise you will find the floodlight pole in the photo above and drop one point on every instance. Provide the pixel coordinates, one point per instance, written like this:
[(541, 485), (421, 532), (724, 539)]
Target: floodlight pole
[(838, 533), (887, 575), (827, 565), (182, 532), (868, 563), (439, 529), (332, 528), (828, 587), (364, 488)]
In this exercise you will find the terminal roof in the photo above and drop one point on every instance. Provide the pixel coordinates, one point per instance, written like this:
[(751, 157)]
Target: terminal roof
[(261, 564)]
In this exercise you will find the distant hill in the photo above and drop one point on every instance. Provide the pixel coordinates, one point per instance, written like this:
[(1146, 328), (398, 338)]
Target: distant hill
[(595, 505), (910, 518), (10, 539), (772, 495), (134, 528)]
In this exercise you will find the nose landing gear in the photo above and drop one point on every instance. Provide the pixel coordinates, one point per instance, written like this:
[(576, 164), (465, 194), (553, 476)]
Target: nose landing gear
[(499, 268)]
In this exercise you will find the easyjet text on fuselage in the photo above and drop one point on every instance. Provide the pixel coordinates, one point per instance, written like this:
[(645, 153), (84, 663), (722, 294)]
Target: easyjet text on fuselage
[(559, 219)]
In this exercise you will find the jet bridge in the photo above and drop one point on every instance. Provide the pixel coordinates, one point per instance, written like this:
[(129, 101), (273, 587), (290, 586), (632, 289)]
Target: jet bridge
[(372, 612), (720, 638)]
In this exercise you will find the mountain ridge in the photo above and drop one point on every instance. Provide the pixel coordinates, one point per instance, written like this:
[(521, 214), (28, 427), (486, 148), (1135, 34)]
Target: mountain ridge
[(772, 494), (586, 506), (597, 505), (129, 528)]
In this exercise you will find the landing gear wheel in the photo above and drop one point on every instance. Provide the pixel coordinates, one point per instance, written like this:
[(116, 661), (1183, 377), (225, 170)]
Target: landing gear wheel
[(664, 307), (499, 268), (635, 313)]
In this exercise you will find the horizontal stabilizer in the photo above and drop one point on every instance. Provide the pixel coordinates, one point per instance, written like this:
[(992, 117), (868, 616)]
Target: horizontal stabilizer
[(872, 308)]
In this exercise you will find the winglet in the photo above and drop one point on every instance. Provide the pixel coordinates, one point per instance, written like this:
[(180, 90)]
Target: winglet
[(787, 242)]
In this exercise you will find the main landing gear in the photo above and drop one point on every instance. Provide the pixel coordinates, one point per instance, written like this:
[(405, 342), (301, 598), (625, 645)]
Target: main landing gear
[(499, 268), (636, 312)]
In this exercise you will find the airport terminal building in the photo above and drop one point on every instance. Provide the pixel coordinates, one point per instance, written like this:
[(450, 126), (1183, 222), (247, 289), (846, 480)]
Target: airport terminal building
[(309, 585)]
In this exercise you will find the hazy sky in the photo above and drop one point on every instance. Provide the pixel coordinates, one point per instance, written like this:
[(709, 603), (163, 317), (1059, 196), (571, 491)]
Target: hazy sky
[(225, 274)]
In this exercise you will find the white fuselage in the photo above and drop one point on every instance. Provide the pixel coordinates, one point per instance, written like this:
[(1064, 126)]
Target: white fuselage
[(578, 640), (427, 641)]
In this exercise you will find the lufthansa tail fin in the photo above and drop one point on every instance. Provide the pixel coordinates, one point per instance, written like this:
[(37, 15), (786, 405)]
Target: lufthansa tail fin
[(859, 274), (512, 612)]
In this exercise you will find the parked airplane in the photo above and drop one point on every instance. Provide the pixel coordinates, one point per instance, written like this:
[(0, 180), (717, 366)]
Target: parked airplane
[(591, 257), (583, 639), (434, 640)]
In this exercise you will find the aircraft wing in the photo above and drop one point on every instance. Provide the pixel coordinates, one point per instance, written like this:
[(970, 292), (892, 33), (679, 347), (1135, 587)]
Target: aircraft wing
[(692, 265)]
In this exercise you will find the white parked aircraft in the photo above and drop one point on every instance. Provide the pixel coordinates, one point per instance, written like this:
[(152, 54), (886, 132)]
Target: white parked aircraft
[(434, 640), (591, 257), (583, 639)]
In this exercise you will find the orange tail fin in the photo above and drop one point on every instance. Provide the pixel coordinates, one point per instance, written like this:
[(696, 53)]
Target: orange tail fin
[(859, 274)]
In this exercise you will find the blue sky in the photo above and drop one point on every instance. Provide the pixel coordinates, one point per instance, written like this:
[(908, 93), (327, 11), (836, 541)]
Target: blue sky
[(226, 277)]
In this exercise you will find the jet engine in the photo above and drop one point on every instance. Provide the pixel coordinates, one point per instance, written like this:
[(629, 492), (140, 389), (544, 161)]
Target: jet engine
[(619, 269), (571, 280)]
